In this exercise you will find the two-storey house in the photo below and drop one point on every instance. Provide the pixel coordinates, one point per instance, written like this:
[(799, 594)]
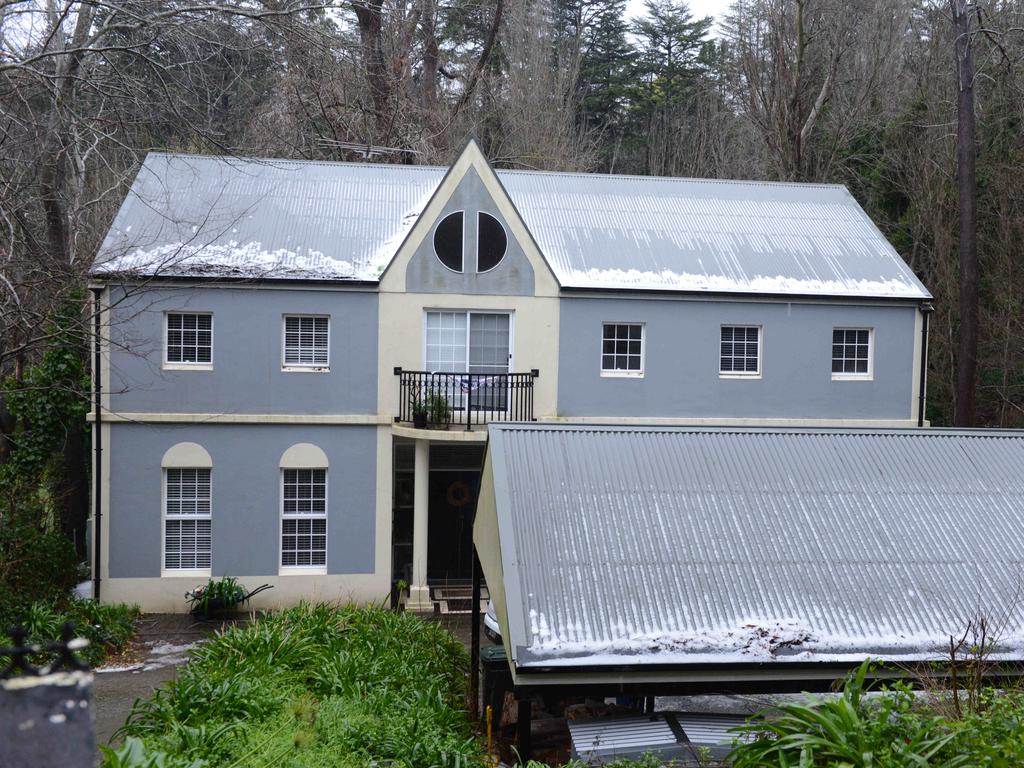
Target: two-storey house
[(299, 359)]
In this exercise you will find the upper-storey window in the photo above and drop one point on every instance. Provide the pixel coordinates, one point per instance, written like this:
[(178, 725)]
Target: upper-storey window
[(851, 353), (448, 241), (189, 338), (740, 351), (491, 242), (622, 349), (306, 342)]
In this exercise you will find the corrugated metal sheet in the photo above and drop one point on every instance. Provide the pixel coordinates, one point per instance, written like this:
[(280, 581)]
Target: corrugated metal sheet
[(213, 216), (189, 214), (601, 741), (601, 231), (671, 736), (681, 545)]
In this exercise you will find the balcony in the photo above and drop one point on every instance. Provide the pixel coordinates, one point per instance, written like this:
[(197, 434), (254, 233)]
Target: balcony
[(438, 400)]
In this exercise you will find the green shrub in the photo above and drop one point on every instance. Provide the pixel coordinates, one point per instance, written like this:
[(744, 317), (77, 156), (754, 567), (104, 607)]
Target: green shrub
[(36, 564), (318, 685), (994, 735), (891, 730), (134, 754), (106, 627)]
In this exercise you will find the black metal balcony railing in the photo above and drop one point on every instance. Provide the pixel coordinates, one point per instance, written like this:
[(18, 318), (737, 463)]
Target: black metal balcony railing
[(430, 399)]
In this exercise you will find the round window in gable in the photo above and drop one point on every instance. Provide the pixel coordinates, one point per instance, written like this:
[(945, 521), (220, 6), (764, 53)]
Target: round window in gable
[(491, 242), (448, 241)]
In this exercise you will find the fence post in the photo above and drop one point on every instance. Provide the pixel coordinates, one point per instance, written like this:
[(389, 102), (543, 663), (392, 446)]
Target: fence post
[(46, 716)]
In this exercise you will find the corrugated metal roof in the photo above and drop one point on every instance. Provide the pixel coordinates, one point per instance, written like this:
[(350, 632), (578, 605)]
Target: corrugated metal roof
[(644, 232), (215, 216), (636, 545), (195, 215)]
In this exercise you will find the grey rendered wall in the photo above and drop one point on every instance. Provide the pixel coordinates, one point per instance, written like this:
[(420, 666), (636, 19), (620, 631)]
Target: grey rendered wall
[(512, 277), (246, 494), (247, 352), (682, 361)]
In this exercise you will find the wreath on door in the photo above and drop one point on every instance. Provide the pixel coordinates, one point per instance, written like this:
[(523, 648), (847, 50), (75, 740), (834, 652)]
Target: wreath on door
[(458, 493)]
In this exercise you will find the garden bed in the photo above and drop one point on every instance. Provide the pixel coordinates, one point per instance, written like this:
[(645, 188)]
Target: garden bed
[(108, 628), (314, 686)]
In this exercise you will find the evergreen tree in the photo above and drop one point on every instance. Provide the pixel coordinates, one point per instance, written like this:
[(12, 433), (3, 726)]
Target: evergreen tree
[(595, 32), (673, 55)]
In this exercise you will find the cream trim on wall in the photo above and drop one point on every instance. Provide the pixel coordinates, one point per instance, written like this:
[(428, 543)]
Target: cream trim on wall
[(304, 456), (242, 418), (187, 455)]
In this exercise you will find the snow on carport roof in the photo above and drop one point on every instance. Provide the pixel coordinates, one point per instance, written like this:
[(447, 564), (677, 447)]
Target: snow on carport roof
[(685, 546)]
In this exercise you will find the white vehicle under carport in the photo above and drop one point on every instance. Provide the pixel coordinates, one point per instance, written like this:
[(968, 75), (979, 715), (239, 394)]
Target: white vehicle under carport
[(491, 628)]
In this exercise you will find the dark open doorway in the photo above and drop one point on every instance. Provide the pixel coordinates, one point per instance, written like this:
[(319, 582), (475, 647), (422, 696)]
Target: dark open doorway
[(454, 479)]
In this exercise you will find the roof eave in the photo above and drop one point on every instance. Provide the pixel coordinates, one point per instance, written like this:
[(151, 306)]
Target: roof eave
[(135, 277), (590, 289)]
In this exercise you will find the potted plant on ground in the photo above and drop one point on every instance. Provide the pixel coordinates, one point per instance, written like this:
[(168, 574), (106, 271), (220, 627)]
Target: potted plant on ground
[(219, 595)]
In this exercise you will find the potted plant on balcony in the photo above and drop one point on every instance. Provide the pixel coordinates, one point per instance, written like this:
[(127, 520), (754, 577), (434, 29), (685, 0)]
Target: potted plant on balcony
[(439, 411), (420, 412)]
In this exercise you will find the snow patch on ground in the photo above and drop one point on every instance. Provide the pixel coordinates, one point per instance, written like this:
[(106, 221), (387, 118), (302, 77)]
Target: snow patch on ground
[(167, 655), (157, 656), (121, 668)]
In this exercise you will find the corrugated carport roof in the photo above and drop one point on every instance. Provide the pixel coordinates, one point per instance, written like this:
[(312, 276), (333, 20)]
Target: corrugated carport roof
[(649, 546)]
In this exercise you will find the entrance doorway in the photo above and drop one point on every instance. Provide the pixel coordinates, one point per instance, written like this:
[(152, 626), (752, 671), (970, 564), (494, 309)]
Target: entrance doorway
[(454, 479)]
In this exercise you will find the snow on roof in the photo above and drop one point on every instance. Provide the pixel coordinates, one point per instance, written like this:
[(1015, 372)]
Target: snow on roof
[(218, 216), (600, 231), (657, 545), (197, 216)]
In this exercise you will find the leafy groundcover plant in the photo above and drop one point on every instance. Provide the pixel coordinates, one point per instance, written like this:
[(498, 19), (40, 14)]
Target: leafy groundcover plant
[(894, 729), (108, 628), (312, 686)]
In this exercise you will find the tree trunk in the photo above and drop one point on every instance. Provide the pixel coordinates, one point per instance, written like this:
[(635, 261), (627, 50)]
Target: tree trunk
[(371, 33), (967, 352), (429, 61)]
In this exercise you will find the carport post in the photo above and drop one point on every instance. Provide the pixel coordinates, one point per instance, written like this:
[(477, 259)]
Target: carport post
[(523, 723)]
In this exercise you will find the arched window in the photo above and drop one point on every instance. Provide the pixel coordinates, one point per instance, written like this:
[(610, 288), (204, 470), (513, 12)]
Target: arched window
[(448, 241), (187, 510), (304, 509), (491, 242)]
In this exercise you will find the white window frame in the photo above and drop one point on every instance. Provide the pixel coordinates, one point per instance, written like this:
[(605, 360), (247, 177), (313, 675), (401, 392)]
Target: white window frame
[(870, 375), (467, 312), (165, 517), (303, 570), (170, 365), (621, 374), (760, 353), (303, 367)]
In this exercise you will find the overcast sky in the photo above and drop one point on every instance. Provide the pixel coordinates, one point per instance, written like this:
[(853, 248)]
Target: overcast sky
[(699, 8)]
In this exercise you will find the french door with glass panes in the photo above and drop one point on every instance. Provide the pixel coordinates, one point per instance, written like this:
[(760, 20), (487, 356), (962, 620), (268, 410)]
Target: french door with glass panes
[(471, 342)]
